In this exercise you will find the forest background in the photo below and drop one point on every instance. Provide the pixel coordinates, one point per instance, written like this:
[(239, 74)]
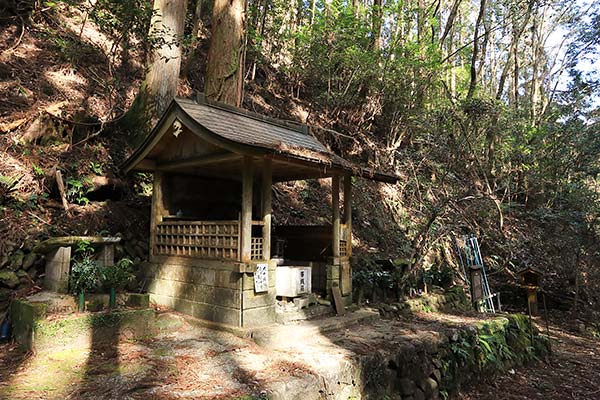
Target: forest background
[(486, 109)]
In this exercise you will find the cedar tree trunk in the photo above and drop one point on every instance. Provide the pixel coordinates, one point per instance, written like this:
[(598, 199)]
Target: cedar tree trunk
[(225, 66), (160, 84)]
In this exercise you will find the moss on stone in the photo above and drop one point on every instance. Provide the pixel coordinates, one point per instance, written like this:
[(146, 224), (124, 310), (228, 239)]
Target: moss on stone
[(494, 346)]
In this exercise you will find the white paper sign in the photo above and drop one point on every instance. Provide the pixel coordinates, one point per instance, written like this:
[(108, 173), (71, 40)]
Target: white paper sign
[(261, 278)]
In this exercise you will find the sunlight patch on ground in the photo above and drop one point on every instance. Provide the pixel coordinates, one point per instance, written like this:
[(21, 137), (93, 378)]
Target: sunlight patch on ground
[(54, 373), (66, 80)]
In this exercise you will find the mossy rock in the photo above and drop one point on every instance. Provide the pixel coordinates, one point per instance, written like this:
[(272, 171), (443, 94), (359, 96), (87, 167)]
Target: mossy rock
[(32, 330), (141, 300), (97, 303), (9, 278)]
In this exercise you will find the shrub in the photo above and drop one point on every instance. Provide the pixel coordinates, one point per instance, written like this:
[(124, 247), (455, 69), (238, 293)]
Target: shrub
[(85, 275), (119, 275)]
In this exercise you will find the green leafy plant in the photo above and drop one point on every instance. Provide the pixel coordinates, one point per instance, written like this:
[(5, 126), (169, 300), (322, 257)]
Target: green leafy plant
[(39, 171), (119, 275), (461, 351), (96, 168), (76, 191), (83, 248), (85, 275), (8, 185)]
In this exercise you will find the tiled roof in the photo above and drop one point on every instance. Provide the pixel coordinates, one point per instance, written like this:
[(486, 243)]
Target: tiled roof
[(249, 128), (288, 139)]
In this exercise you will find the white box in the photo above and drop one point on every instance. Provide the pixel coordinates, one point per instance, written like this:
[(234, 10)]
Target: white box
[(292, 281)]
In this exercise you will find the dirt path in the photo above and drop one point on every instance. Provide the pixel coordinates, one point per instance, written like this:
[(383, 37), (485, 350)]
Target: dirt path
[(187, 361), (572, 372)]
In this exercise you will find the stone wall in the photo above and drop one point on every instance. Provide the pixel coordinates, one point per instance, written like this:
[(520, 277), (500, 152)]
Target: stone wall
[(211, 290), (35, 326), (438, 365)]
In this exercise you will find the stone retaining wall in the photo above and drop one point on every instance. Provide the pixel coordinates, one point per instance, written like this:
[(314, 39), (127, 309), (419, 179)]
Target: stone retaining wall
[(33, 330), (437, 366)]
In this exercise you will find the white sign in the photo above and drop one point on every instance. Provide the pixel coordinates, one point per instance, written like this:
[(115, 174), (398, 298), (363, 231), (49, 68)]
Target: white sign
[(261, 278)]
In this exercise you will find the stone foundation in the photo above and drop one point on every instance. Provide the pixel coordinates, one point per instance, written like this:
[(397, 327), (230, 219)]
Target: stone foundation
[(212, 290), (33, 330)]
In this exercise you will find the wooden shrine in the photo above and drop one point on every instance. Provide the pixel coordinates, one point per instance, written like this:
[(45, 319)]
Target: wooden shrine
[(211, 229), (531, 279)]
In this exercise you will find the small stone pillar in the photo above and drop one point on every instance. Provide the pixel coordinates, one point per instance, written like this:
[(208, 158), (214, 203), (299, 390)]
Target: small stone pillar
[(57, 270), (106, 255)]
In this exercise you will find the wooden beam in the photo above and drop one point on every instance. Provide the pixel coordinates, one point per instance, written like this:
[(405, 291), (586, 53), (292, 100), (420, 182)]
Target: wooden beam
[(197, 161), (267, 183), (62, 192), (348, 212), (146, 164), (157, 210), (335, 216), (247, 181), (323, 169)]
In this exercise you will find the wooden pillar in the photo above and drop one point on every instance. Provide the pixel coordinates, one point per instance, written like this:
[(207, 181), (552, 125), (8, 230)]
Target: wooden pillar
[(246, 223), (157, 209), (348, 213), (335, 219), (267, 182), (532, 300)]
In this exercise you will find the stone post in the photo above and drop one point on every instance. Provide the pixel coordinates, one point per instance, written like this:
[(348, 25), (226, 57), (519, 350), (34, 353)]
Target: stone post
[(57, 270)]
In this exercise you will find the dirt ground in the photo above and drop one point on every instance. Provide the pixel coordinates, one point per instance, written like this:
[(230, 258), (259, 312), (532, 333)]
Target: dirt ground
[(190, 362), (572, 372)]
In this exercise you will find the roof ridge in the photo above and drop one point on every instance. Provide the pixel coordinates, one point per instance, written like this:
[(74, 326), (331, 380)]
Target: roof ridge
[(201, 99)]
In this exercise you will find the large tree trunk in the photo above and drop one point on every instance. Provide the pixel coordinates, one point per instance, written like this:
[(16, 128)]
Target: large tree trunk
[(376, 25), (160, 84), (513, 49), (196, 25), (475, 55), (225, 67)]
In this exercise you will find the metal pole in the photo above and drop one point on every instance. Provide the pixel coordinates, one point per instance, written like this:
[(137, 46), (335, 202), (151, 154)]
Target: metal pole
[(486, 286), (530, 323), (547, 324)]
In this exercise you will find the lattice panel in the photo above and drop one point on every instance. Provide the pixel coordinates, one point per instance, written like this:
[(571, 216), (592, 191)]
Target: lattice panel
[(343, 248), (256, 248), (205, 239)]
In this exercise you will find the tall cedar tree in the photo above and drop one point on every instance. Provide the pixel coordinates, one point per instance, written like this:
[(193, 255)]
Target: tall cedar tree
[(164, 62), (225, 66)]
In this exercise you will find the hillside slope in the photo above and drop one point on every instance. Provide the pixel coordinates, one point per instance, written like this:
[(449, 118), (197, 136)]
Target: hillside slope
[(62, 93)]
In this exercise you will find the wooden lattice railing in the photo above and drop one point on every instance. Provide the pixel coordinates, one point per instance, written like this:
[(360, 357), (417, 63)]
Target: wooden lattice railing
[(256, 248), (202, 239), (343, 240)]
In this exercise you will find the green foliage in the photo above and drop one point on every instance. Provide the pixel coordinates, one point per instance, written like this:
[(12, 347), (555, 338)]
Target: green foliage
[(96, 168), (373, 276), (462, 350), (119, 275), (85, 275), (438, 275), (8, 185), (492, 347), (124, 21), (76, 191), (85, 272), (37, 170)]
